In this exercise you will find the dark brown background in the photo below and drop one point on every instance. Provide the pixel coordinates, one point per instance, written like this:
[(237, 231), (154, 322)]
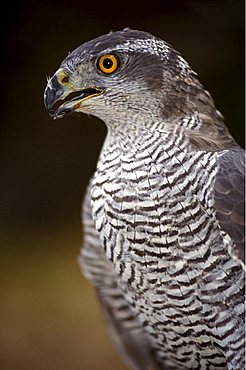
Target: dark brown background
[(48, 314)]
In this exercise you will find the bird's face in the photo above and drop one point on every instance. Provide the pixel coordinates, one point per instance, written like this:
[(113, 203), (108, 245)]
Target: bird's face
[(121, 74), (93, 84)]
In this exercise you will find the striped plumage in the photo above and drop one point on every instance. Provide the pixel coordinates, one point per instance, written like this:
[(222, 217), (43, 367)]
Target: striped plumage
[(163, 222)]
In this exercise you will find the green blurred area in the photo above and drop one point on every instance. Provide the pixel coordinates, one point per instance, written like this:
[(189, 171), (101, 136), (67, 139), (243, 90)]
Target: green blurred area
[(49, 318), (49, 315)]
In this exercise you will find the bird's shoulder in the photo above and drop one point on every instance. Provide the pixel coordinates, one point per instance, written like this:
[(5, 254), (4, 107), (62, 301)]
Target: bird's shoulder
[(229, 195)]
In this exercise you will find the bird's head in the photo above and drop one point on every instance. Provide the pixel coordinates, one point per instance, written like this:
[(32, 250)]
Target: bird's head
[(122, 74)]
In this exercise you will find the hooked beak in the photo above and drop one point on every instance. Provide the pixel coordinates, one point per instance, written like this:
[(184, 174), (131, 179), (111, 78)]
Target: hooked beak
[(56, 92)]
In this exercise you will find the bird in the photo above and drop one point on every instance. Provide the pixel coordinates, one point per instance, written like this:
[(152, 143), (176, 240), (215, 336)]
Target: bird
[(163, 214)]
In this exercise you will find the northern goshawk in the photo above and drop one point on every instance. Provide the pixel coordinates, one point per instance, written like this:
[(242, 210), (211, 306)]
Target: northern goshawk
[(163, 215)]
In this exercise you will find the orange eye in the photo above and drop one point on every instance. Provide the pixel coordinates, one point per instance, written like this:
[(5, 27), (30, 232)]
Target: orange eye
[(108, 63)]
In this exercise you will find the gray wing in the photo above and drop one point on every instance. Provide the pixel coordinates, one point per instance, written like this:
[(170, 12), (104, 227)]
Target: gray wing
[(122, 323), (229, 196)]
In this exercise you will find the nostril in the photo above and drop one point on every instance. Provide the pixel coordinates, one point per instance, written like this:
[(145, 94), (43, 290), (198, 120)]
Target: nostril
[(65, 80)]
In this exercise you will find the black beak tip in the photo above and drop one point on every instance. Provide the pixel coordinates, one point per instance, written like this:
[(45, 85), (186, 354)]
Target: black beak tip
[(49, 99), (52, 93), (51, 96)]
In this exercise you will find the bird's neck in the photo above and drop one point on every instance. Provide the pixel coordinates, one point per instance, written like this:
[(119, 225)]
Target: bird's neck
[(199, 131), (130, 134)]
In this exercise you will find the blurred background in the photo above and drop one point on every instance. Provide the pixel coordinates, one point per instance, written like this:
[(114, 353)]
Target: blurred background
[(49, 318)]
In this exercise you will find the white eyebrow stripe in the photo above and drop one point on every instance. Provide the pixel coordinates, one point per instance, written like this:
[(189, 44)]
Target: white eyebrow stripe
[(152, 46)]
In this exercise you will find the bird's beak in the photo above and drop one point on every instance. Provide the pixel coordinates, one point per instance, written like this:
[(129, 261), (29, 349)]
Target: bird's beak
[(59, 89)]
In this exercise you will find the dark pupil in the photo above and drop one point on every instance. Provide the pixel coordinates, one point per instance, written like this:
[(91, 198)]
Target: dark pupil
[(107, 63)]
